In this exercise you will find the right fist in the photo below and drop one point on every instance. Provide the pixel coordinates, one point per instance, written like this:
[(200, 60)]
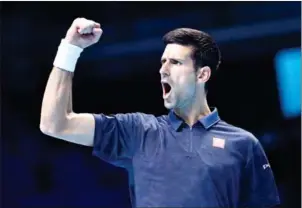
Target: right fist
[(83, 33)]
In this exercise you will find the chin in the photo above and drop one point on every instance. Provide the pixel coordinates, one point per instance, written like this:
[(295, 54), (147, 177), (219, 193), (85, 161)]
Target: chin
[(169, 105)]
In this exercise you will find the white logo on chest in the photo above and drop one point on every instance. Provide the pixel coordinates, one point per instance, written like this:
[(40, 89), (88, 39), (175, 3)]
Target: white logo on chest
[(217, 142)]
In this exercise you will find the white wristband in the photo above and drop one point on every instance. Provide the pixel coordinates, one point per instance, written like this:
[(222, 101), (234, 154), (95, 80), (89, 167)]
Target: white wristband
[(67, 56)]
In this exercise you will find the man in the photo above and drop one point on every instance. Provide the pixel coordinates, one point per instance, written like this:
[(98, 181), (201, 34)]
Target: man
[(189, 158)]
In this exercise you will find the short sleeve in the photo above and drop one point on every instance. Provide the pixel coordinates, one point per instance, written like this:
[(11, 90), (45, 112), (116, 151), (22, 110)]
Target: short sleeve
[(116, 137), (259, 187)]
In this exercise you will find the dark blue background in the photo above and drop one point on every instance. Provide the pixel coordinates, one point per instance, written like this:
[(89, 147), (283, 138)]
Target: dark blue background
[(120, 74)]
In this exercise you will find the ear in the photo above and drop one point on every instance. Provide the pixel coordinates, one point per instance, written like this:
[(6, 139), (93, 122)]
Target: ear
[(203, 74)]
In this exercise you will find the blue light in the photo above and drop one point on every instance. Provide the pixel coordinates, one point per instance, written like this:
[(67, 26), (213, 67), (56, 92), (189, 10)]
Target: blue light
[(288, 73)]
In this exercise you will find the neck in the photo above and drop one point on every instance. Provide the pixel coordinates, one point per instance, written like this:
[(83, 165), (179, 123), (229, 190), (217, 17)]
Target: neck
[(193, 112)]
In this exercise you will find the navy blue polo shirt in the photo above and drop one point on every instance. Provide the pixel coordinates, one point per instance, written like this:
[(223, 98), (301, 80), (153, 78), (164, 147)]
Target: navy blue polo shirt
[(212, 164)]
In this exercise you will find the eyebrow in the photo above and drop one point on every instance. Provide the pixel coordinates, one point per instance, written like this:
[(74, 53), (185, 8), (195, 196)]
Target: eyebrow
[(177, 59)]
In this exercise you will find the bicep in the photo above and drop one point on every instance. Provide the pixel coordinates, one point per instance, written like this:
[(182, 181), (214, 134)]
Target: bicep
[(78, 129)]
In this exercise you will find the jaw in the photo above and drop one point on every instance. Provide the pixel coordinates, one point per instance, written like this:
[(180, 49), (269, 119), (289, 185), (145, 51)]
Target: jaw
[(169, 100), (168, 105)]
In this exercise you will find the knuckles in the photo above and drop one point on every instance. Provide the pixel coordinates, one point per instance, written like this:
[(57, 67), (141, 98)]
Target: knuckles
[(83, 23)]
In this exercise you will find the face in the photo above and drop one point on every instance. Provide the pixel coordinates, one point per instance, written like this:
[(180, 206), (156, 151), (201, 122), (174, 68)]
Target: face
[(178, 76)]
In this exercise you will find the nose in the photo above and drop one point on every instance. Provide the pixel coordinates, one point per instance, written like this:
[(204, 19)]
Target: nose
[(164, 71)]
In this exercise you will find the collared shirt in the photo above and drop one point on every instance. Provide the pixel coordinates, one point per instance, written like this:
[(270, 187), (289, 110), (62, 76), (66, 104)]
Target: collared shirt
[(211, 164)]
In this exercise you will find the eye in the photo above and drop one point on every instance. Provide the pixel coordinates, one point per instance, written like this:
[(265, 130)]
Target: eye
[(173, 61)]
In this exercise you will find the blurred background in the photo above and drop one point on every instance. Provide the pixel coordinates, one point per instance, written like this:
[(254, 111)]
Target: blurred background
[(257, 88)]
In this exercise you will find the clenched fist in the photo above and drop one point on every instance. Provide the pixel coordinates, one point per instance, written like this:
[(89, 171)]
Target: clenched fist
[(83, 33)]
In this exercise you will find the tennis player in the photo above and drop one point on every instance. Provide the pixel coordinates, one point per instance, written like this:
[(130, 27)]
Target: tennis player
[(188, 158)]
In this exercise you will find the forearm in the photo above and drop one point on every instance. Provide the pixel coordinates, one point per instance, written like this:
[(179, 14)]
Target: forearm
[(57, 102), (69, 105)]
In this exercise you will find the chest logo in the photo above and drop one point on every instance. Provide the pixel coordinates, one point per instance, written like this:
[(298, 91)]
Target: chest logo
[(217, 142)]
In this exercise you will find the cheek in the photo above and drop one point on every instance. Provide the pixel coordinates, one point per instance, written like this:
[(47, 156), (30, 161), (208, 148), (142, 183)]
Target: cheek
[(187, 80), (183, 79), (186, 86), (190, 89)]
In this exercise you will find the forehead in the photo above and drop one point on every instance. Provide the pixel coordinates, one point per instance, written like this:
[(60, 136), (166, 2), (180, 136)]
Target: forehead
[(177, 51)]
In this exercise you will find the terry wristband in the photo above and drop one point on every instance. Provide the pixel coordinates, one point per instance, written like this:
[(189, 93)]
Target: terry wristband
[(67, 56)]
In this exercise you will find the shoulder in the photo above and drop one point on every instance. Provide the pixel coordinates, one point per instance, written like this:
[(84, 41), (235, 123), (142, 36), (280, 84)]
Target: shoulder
[(240, 139), (235, 132)]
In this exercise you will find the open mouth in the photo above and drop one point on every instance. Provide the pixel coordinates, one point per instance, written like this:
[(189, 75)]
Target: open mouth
[(166, 88)]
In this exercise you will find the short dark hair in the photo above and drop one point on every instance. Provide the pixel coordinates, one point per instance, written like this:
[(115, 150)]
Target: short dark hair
[(205, 50)]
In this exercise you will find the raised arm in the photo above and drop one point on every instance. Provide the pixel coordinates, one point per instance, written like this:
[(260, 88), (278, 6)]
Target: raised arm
[(57, 117)]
